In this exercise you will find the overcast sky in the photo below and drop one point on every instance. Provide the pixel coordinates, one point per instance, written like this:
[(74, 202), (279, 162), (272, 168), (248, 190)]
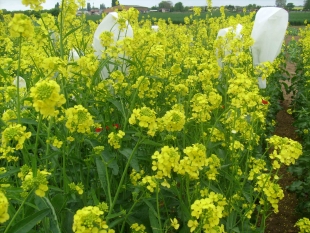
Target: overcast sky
[(16, 4)]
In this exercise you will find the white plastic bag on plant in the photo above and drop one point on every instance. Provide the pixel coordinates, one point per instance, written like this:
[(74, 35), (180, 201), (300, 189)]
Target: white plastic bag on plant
[(22, 82), (222, 33), (73, 55), (109, 23), (155, 28), (268, 33)]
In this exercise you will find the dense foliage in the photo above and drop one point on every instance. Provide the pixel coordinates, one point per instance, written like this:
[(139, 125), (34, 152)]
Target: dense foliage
[(164, 131)]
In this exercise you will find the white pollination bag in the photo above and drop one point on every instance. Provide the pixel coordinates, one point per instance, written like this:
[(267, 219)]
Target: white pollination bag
[(109, 23), (222, 33), (21, 82), (268, 33)]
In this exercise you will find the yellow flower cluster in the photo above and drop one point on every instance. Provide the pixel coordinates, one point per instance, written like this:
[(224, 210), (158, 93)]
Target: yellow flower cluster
[(79, 119), (150, 182), (213, 164), (138, 228), (34, 4), (209, 210), (203, 104), (195, 161), (87, 66), (285, 150), (143, 85), (165, 161), (13, 138), (136, 177), (98, 149), (9, 115), (38, 182), (55, 142), (89, 219), (77, 187), (173, 120), (257, 166), (304, 225), (46, 97), (115, 139), (272, 190), (21, 25), (145, 118), (106, 38), (305, 44), (4, 206)]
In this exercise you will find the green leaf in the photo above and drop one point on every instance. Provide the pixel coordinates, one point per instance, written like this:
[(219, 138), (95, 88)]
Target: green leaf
[(58, 202), (118, 105), (9, 173), (2, 73), (152, 143), (101, 169), (134, 161), (28, 223), (119, 215), (296, 186), (111, 161), (71, 31), (236, 229), (25, 121), (94, 196), (154, 221), (116, 221)]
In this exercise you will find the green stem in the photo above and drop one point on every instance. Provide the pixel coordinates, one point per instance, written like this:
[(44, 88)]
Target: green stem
[(130, 210), (123, 177), (158, 209), (17, 212), (48, 135), (108, 182), (35, 154), (17, 78)]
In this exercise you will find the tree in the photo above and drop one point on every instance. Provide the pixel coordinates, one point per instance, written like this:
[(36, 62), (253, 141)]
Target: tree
[(88, 6), (154, 8), (179, 7), (230, 7), (114, 2), (57, 5), (307, 5), (290, 6), (281, 3), (165, 4), (102, 6), (55, 11)]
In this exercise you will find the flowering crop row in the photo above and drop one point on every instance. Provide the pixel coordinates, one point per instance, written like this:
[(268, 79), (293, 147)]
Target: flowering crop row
[(299, 51), (153, 136)]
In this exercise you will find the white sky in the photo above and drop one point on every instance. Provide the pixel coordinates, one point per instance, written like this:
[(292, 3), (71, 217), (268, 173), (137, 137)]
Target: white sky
[(16, 4)]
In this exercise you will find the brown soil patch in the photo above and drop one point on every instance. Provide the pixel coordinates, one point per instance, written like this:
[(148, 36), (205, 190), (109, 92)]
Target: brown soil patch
[(284, 221)]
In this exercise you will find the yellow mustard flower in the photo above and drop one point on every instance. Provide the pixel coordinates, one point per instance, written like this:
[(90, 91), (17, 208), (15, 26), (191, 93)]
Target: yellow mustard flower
[(46, 97), (89, 219), (174, 223), (138, 228), (79, 119), (4, 206), (34, 4), (29, 182), (21, 25), (304, 225), (115, 139)]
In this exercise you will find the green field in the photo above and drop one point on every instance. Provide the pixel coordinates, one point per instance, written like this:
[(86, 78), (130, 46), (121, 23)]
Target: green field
[(295, 18)]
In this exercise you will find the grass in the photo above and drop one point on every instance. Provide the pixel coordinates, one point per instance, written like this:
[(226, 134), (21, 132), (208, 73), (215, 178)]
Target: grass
[(295, 18)]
